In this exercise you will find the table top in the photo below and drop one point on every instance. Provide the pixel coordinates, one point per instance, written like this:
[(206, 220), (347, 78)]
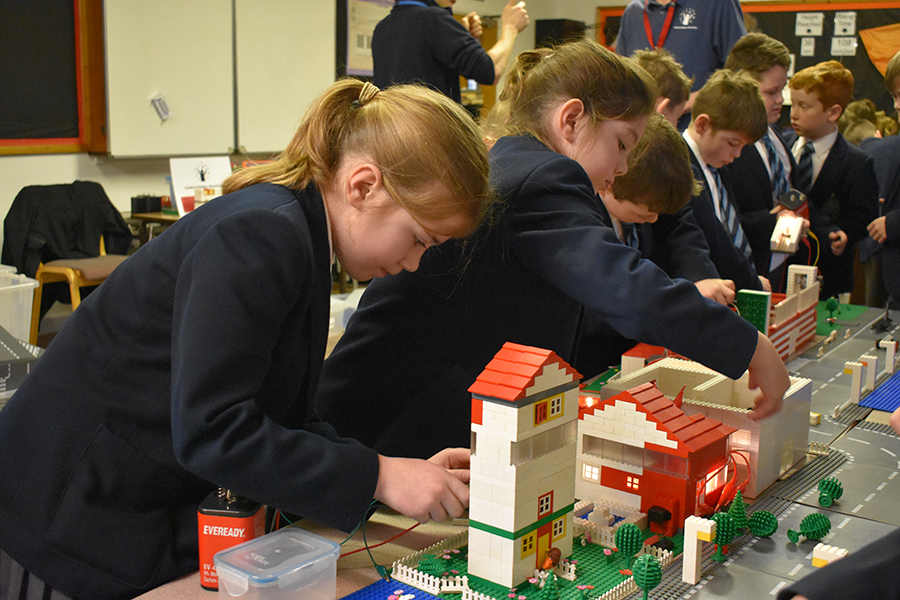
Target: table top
[(354, 569), (155, 217)]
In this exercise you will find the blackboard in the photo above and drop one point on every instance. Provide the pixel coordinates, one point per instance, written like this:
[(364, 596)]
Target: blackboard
[(37, 64), (778, 20), (50, 69)]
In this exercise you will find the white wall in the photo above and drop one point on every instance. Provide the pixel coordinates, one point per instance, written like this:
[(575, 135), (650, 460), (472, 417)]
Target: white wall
[(124, 178)]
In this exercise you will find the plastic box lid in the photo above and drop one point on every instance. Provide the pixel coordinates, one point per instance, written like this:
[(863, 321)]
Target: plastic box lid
[(290, 558)]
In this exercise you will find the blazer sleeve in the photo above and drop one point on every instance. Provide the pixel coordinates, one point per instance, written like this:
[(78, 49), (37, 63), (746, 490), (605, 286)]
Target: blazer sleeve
[(678, 242), (564, 242), (220, 364), (455, 47)]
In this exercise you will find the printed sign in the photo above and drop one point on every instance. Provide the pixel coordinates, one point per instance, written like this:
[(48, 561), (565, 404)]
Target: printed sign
[(809, 23)]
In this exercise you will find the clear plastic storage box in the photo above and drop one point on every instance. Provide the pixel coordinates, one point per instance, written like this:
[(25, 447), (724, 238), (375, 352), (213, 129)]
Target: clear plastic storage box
[(288, 564), (16, 300)]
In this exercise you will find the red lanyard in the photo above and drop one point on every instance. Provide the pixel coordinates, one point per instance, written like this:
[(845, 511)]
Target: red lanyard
[(665, 29)]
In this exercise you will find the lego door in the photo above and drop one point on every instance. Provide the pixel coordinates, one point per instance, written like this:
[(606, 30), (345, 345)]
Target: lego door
[(543, 544)]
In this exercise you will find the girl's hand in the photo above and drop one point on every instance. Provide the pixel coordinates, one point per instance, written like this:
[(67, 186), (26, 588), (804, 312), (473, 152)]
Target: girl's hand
[(768, 374), (421, 489)]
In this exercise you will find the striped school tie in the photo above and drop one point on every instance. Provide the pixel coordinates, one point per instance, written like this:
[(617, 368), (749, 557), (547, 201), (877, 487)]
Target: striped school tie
[(730, 218), (805, 168), (631, 235), (780, 183)]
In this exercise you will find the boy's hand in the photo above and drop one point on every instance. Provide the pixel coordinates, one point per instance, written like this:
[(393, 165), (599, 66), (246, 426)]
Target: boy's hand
[(514, 15), (766, 285), (768, 374), (717, 290), (472, 22), (878, 230), (455, 460), (838, 242), (421, 489)]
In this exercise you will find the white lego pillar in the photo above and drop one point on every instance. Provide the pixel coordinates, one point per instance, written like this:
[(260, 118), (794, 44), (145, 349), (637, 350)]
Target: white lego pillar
[(824, 554), (696, 530), (891, 348), (855, 369), (871, 364)]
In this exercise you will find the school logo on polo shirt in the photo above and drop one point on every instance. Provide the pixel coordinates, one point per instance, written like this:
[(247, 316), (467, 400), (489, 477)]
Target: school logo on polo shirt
[(686, 19)]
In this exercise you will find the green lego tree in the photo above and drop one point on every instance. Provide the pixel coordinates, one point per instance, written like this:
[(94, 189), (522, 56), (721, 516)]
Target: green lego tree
[(832, 305), (814, 526), (551, 588), (738, 512), (763, 523), (629, 540), (647, 573), (725, 532), (830, 489)]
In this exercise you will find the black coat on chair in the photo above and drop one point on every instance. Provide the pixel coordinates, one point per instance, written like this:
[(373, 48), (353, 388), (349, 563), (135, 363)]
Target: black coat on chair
[(49, 222)]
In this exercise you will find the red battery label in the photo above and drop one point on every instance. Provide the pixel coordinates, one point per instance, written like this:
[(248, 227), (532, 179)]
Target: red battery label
[(222, 530)]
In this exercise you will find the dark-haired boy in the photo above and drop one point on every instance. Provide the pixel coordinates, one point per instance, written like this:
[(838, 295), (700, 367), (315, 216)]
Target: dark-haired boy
[(837, 177), (728, 114)]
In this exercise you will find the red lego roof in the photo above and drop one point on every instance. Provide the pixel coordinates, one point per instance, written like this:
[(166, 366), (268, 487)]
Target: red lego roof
[(514, 369), (691, 432), (651, 354)]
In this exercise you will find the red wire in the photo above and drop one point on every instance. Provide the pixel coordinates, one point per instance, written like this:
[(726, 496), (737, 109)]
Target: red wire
[(405, 531)]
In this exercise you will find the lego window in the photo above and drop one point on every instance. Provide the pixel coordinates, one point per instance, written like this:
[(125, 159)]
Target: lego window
[(528, 544), (520, 452), (472, 439), (591, 445), (545, 505), (633, 483), (612, 450), (632, 455), (556, 406), (716, 481), (540, 412), (559, 528), (590, 472), (654, 460), (676, 465)]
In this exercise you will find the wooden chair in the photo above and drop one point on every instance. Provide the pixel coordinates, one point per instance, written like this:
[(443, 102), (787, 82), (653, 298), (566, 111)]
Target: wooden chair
[(79, 272)]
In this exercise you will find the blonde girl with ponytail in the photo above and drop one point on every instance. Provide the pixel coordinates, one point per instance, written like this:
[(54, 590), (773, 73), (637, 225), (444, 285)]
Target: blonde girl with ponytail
[(193, 366)]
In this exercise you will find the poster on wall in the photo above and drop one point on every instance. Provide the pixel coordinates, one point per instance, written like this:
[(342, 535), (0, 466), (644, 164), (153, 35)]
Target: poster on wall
[(362, 17)]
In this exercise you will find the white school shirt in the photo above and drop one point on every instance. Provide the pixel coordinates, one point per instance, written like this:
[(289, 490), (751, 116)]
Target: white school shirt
[(823, 147)]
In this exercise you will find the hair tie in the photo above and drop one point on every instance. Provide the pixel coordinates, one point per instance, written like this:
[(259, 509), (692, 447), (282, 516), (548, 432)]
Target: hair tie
[(366, 94)]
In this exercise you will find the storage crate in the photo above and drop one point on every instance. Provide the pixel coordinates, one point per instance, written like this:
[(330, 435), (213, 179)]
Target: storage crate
[(288, 564), (16, 299)]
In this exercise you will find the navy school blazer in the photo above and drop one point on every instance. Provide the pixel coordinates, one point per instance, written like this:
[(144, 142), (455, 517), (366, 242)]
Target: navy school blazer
[(192, 367)]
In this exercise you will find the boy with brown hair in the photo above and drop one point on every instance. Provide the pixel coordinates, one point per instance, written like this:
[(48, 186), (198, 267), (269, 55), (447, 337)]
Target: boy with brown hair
[(837, 177), (760, 176), (674, 87), (659, 183), (728, 114)]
